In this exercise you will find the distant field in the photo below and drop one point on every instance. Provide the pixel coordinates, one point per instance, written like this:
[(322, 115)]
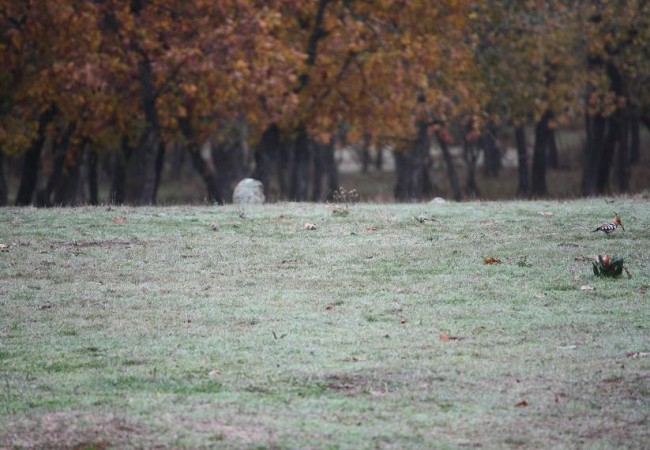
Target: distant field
[(238, 327)]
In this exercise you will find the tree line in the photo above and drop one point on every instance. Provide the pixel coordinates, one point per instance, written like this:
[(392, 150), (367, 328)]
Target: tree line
[(277, 85)]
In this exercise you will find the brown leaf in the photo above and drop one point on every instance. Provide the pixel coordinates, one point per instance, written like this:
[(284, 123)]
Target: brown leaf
[(521, 404), (119, 220), (309, 226), (444, 337), (490, 260)]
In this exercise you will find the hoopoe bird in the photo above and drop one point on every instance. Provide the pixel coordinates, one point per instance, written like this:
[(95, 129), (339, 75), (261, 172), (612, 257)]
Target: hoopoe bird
[(611, 226)]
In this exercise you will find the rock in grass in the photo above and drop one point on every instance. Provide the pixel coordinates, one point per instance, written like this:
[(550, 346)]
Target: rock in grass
[(249, 191)]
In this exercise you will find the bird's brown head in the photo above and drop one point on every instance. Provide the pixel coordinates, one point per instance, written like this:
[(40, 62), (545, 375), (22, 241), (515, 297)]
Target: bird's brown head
[(617, 219)]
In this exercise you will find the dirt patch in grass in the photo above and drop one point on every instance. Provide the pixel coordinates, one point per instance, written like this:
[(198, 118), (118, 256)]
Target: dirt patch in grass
[(96, 243), (73, 431)]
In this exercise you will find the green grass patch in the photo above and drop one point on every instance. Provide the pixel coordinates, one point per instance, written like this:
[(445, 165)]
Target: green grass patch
[(237, 327)]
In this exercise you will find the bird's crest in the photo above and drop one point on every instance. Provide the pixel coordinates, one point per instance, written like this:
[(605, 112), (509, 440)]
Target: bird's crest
[(617, 220)]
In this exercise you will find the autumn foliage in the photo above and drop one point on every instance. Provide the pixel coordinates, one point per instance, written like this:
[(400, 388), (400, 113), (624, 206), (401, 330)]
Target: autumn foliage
[(118, 82)]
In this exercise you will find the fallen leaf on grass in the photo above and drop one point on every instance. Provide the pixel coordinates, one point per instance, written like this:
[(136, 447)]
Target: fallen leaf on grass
[(521, 404), (403, 320), (330, 307), (545, 213), (214, 373), (586, 288), (309, 226), (444, 337), (637, 354), (119, 220), (490, 260)]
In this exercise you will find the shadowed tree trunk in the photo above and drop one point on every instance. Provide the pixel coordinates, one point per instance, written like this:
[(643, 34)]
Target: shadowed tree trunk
[(451, 171), (331, 170), (60, 148), (300, 166), (403, 180), (635, 142), (266, 152), (595, 139), (553, 156), (32, 161), (491, 151), (141, 169), (3, 181), (318, 153), (522, 159), (539, 155), (117, 193), (471, 152), (228, 160), (93, 178), (607, 155), (207, 172), (67, 189), (379, 158), (365, 153), (623, 160)]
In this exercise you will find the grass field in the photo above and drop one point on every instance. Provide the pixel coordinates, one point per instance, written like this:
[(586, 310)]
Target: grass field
[(237, 327)]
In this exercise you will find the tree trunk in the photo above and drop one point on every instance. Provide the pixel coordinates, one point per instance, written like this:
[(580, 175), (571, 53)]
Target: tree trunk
[(471, 152), (365, 153), (331, 170), (596, 127), (227, 157), (60, 149), (207, 172), (635, 142), (300, 167), (160, 164), (451, 171), (522, 158), (32, 160), (491, 151), (67, 188), (379, 158), (318, 150), (553, 156), (539, 156), (607, 155), (266, 152), (141, 170), (623, 160), (403, 180), (93, 178), (3, 182), (118, 176)]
